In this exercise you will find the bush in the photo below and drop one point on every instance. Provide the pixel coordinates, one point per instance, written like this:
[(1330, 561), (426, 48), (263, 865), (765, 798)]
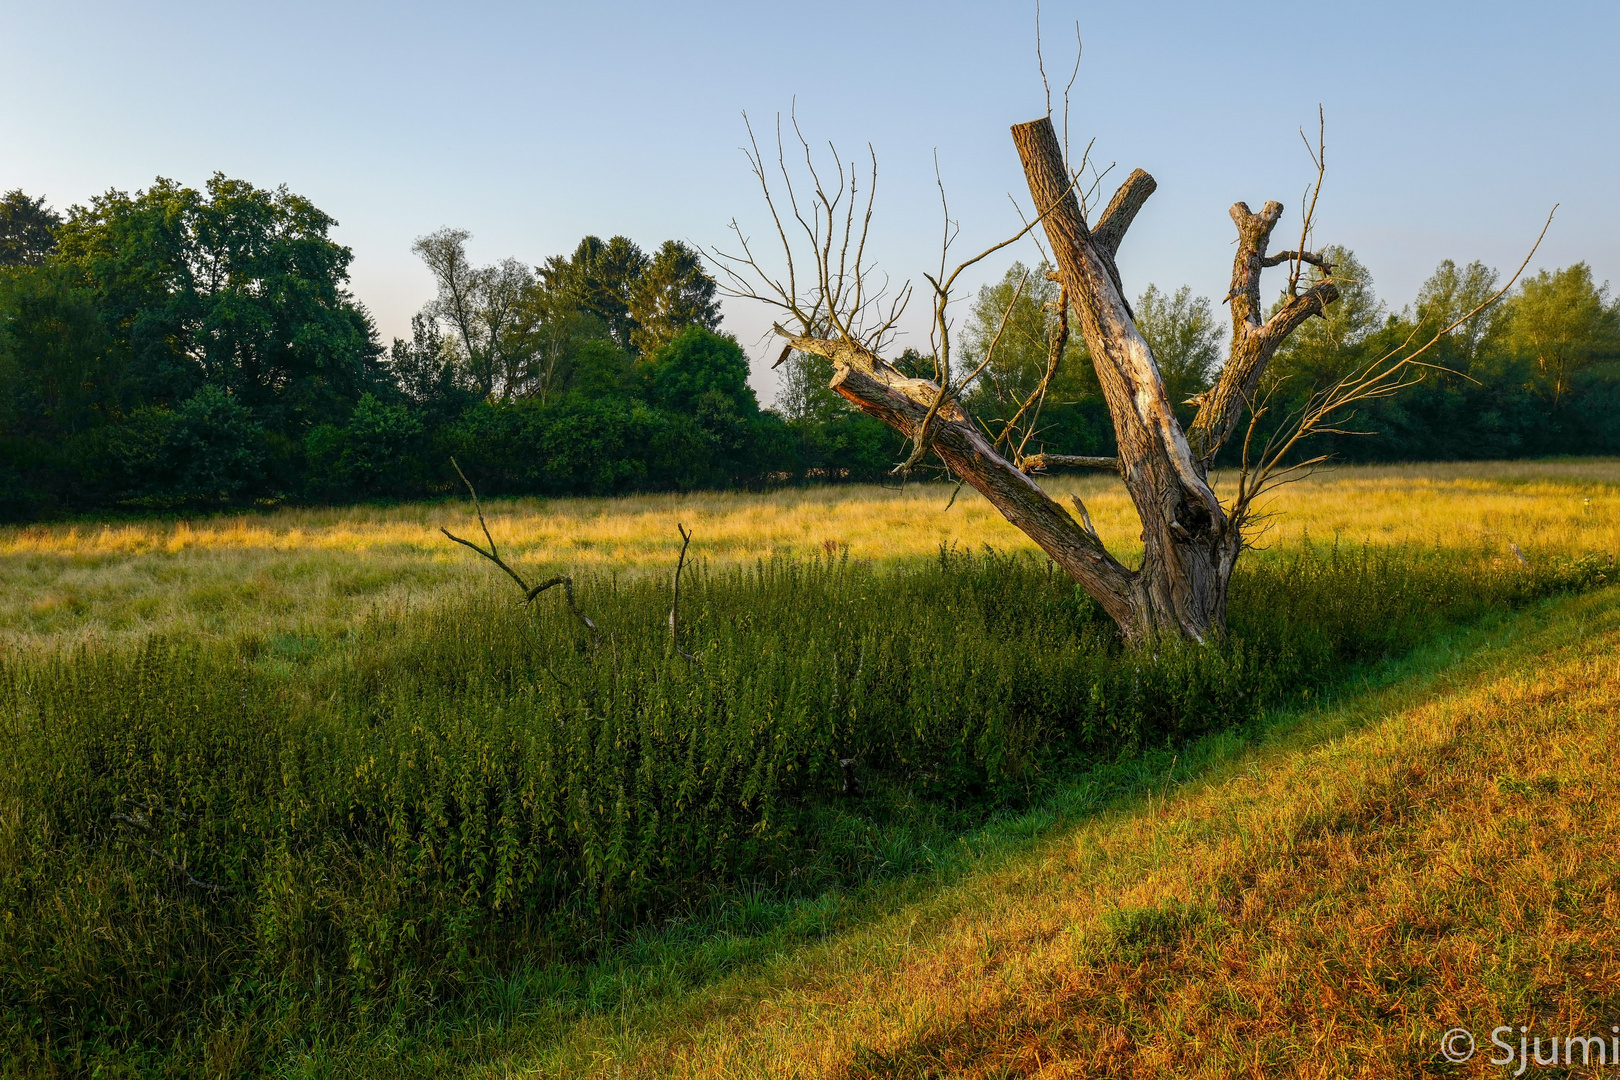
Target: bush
[(378, 453), (209, 452)]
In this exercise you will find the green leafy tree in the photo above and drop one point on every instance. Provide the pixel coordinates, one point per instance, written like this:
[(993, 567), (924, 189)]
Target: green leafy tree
[(562, 346), (599, 369), (27, 229), (60, 381), (237, 287), (484, 308), (59, 372), (1562, 321), (695, 364), (424, 367), (672, 293), (704, 375), (1327, 347), (804, 396), (208, 452), (377, 453), (1448, 295), (598, 279), (1185, 337), (1071, 417)]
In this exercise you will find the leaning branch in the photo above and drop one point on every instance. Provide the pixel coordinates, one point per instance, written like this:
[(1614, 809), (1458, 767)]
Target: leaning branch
[(493, 555), (675, 601), (1043, 462), (877, 389)]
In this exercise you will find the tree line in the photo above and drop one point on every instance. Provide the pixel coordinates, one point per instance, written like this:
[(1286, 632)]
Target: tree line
[(1537, 374), (183, 349)]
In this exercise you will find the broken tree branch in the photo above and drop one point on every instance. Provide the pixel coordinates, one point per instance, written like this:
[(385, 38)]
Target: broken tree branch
[(493, 555), (1042, 462), (675, 600)]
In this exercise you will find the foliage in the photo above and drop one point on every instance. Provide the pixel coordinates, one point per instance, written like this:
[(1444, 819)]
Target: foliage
[(1329, 347), (1534, 375), (113, 320), (674, 292), (598, 280), (27, 229), (237, 286), (1563, 322), (207, 453), (379, 453), (203, 834), (1185, 338), (484, 308), (1073, 418)]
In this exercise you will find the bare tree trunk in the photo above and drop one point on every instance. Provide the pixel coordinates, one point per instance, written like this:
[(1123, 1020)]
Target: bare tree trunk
[(1190, 542), (1188, 545)]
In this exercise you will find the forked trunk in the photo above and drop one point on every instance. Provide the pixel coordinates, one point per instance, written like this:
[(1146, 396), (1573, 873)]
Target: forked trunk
[(1189, 546), (1190, 543)]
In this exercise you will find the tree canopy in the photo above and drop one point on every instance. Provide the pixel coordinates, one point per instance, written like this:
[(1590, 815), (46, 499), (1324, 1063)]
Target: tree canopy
[(193, 347)]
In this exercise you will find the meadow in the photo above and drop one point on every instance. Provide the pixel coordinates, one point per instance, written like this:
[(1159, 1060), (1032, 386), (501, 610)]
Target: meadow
[(307, 782), (316, 573)]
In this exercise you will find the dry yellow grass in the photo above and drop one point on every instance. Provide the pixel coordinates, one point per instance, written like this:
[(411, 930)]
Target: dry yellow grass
[(314, 572), (1437, 855)]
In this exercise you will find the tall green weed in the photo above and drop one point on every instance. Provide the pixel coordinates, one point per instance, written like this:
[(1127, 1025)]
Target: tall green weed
[(197, 834)]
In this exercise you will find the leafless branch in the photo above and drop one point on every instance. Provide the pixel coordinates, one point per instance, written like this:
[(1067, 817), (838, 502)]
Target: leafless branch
[(1325, 409), (1042, 462), (1319, 159), (1079, 50), (840, 299), (493, 555), (675, 601)]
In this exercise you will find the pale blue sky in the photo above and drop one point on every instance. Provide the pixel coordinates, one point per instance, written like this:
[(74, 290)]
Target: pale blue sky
[(1452, 127)]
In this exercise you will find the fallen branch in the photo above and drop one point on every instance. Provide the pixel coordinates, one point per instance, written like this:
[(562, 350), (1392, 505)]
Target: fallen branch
[(494, 556), (139, 821)]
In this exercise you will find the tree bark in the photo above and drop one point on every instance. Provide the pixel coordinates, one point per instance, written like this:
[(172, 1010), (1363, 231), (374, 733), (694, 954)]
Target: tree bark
[(1188, 548), (879, 390), (1253, 341)]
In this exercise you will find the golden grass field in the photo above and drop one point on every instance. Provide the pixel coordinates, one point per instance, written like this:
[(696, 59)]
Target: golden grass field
[(1439, 849), (314, 572), (1442, 853)]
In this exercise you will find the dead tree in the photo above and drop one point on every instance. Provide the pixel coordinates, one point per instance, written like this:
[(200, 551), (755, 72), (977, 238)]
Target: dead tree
[(1191, 541)]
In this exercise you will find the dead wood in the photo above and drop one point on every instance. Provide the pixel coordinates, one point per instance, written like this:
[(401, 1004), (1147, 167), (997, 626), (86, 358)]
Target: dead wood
[(494, 556), (1191, 541), (675, 600)]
